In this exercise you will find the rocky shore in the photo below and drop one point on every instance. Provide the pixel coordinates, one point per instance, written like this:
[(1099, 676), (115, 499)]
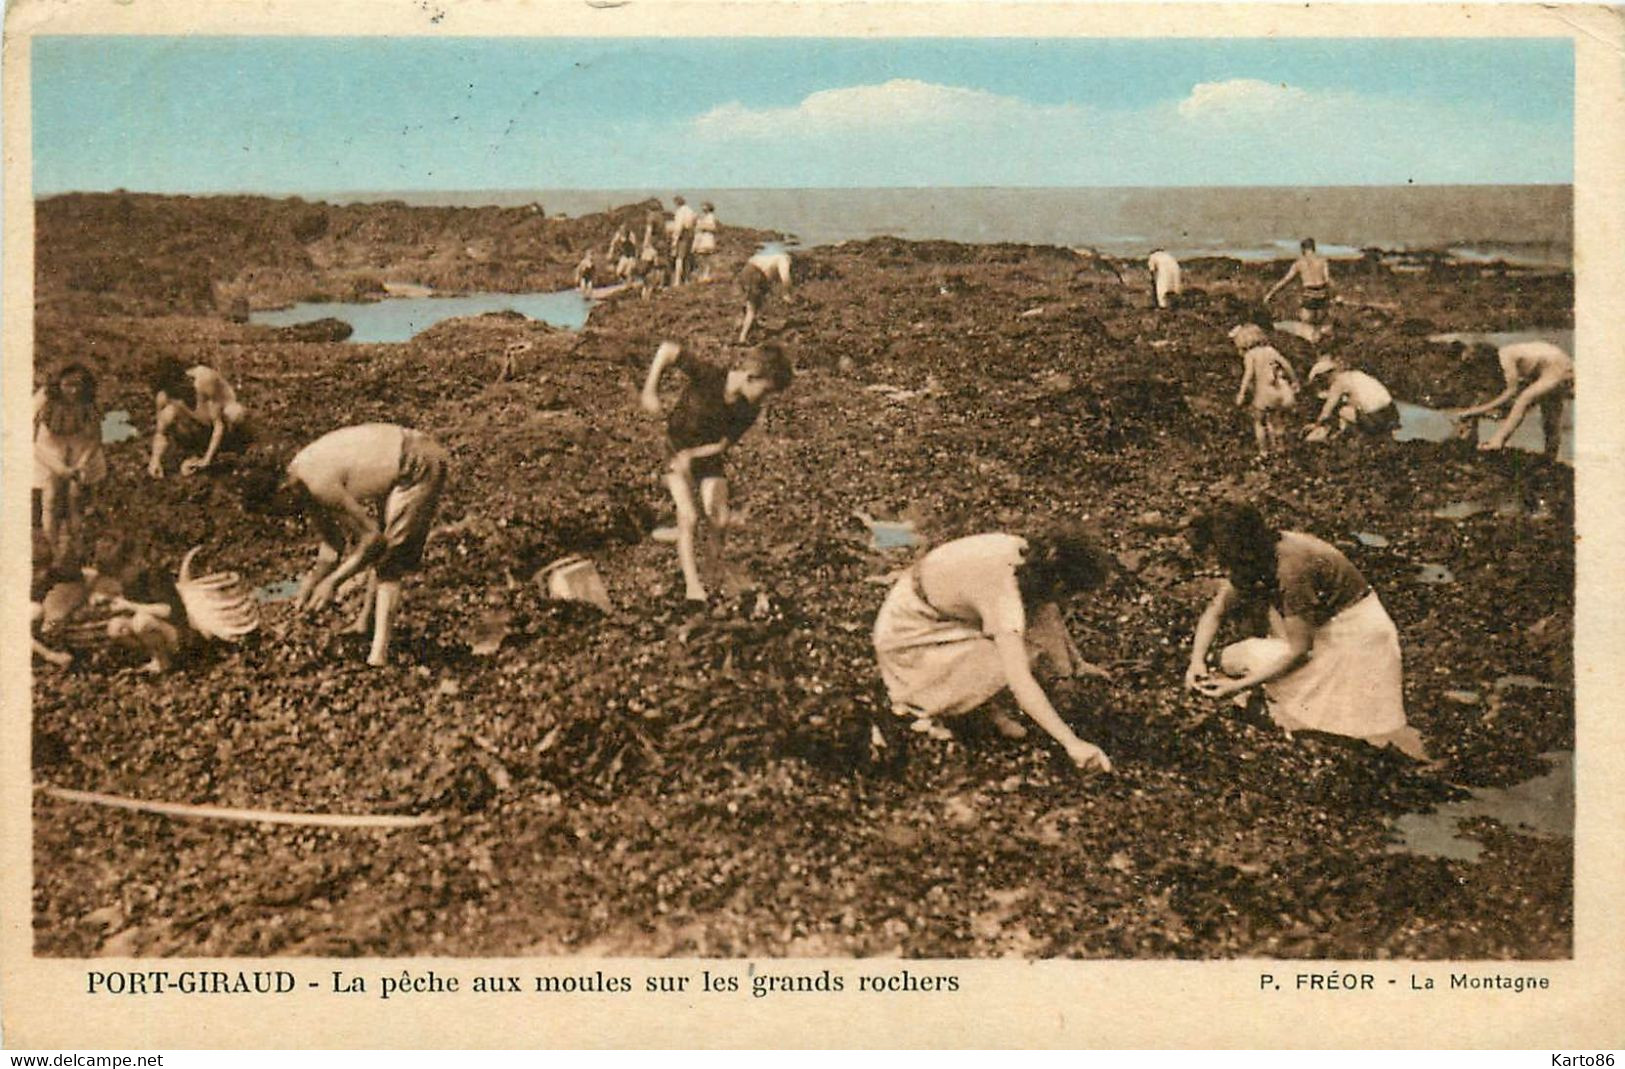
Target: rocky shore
[(658, 780)]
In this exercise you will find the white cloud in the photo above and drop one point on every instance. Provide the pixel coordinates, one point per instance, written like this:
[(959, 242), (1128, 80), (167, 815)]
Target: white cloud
[(1245, 97), (902, 103)]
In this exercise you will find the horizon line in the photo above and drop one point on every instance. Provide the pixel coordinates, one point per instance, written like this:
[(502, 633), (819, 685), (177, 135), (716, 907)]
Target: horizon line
[(511, 190)]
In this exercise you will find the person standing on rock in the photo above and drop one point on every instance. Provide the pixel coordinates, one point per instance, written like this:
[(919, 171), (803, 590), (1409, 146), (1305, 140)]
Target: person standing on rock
[(622, 254), (1550, 374), (705, 240), (1273, 385), (1314, 276), (584, 274), (683, 221), (650, 269), (214, 421), (68, 457), (1165, 281), (372, 490), (973, 617), (1352, 399), (1332, 660), (756, 280), (716, 408)]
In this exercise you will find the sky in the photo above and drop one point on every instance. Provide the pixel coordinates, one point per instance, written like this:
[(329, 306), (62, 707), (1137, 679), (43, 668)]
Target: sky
[(303, 115)]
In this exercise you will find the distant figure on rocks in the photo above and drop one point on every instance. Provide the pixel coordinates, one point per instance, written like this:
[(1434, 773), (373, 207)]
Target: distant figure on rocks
[(623, 253), (68, 457), (1550, 374), (1272, 383), (650, 270), (196, 409), (1352, 399), (683, 221), (1165, 281), (372, 490), (973, 616), (705, 240), (584, 274), (756, 280), (508, 366), (1331, 662), (716, 408), (1314, 276)]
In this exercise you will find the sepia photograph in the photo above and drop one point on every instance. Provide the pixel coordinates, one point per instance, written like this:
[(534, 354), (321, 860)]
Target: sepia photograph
[(895, 500)]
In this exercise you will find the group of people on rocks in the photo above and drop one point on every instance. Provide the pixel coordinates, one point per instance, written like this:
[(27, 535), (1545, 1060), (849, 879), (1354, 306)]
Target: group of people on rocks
[(690, 241), (968, 619), (1536, 372), (197, 412), (981, 614), (371, 491)]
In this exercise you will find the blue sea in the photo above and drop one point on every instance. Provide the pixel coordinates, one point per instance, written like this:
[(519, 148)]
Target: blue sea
[(1520, 224)]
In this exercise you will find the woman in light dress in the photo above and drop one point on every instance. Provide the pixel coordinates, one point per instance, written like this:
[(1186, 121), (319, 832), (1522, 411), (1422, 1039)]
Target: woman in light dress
[(1165, 277), (1331, 661), (972, 617)]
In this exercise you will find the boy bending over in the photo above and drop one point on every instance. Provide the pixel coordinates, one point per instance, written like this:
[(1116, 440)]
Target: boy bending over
[(213, 421), (756, 280), (1550, 374), (1352, 399), (716, 408), (372, 490)]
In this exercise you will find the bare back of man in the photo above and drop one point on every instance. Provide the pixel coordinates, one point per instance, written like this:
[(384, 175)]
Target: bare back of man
[(1314, 277), (1549, 372), (359, 462), (373, 489), (1314, 271)]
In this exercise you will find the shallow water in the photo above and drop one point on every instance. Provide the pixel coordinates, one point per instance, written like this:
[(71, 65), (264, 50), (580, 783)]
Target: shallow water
[(116, 427), (1534, 222), (1420, 423), (1298, 329), (397, 319), (281, 590), (1531, 434), (1527, 256), (1434, 574), (1459, 510), (1541, 807), (887, 534), (1562, 337)]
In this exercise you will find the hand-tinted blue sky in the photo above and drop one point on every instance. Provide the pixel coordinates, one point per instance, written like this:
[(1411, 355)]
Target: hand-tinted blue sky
[(296, 115)]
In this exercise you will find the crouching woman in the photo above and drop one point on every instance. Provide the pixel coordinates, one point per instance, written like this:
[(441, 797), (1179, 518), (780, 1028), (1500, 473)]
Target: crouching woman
[(1331, 662), (955, 630)]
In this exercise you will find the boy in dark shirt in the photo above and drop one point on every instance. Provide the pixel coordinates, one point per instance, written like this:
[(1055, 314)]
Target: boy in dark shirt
[(716, 408)]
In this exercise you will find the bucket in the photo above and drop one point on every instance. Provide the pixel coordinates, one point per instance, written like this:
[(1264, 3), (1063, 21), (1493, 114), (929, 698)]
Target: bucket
[(575, 579)]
